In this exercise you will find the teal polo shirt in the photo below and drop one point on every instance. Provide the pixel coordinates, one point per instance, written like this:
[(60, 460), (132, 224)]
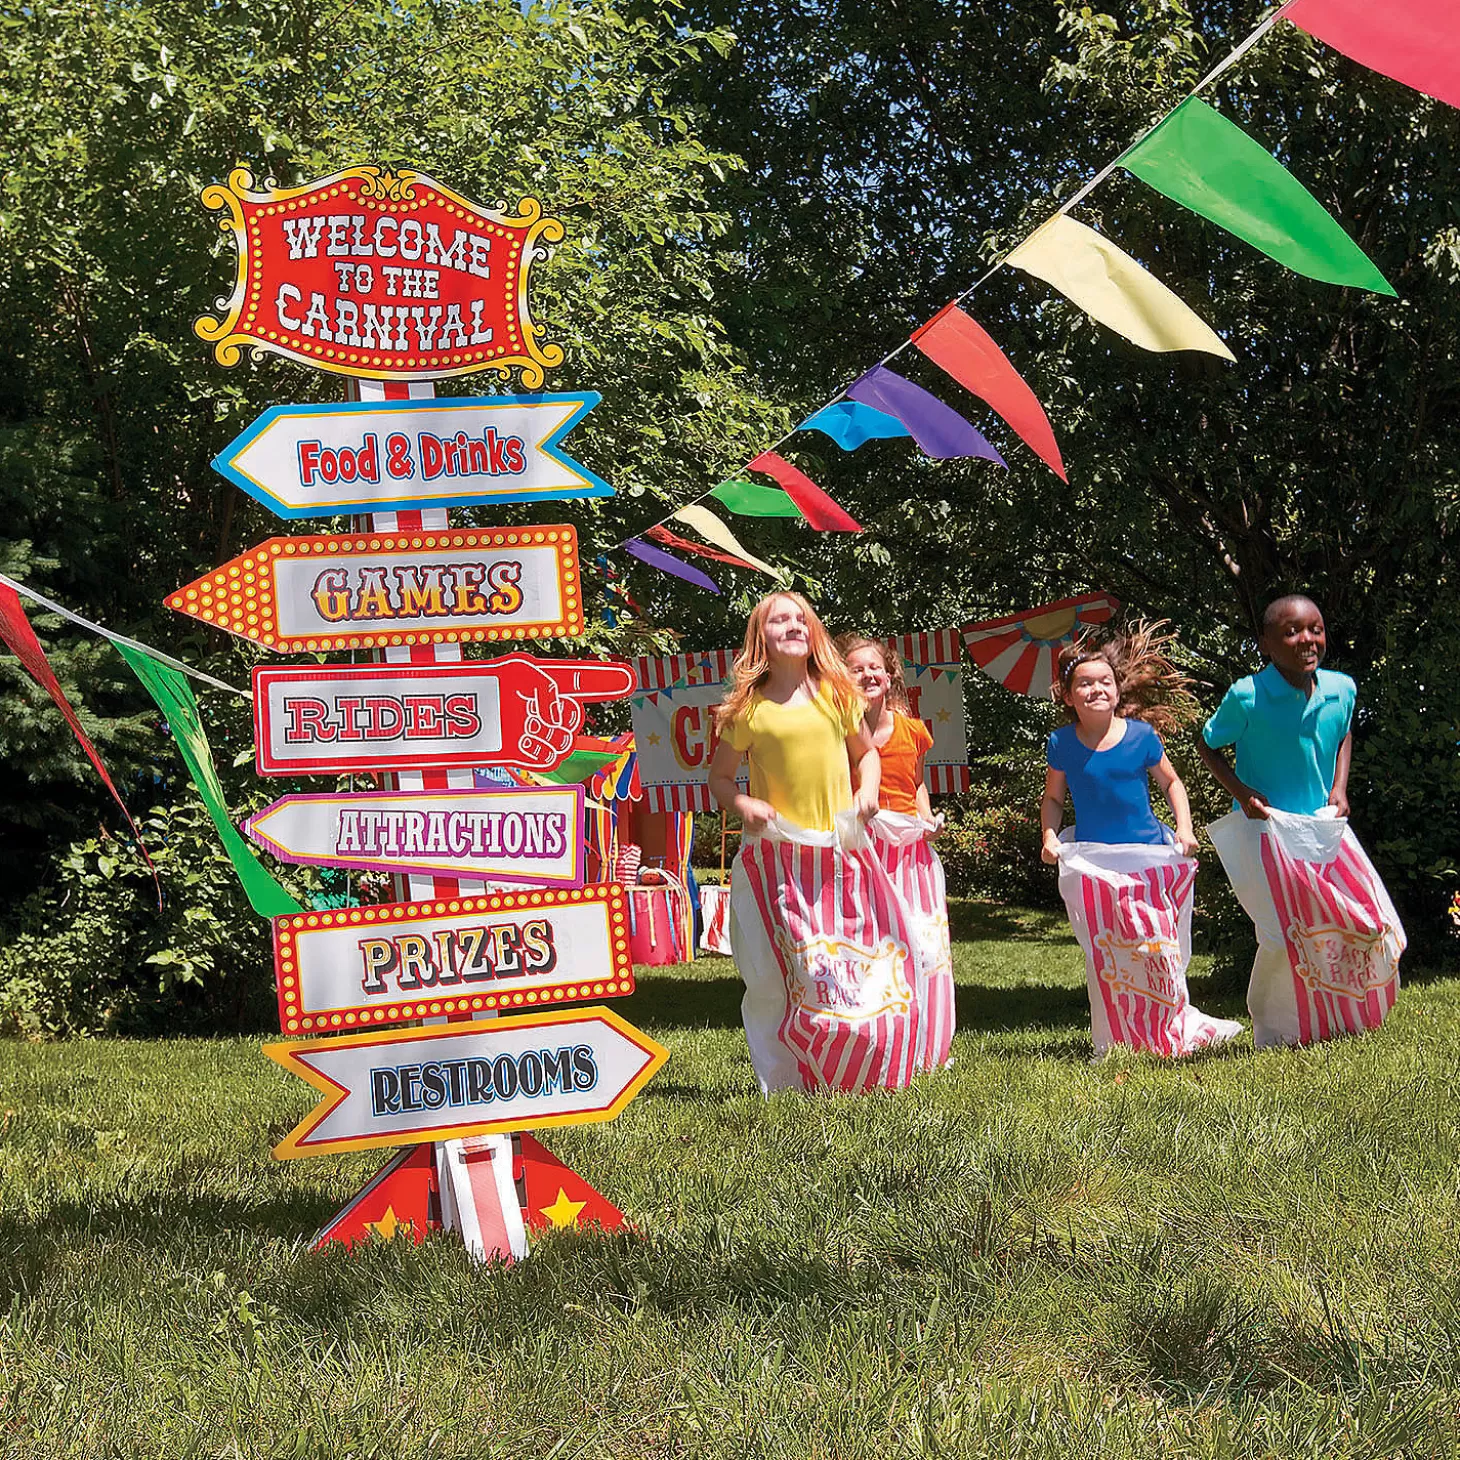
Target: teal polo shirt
[(1287, 742)]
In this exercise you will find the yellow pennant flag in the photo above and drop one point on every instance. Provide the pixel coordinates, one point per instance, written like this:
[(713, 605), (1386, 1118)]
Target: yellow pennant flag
[(713, 530), (1110, 286)]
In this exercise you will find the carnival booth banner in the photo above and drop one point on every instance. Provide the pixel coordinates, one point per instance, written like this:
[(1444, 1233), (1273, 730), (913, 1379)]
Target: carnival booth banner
[(516, 711), (674, 731), (1019, 651), (305, 595), (398, 1087), (382, 456), (1328, 937), (1130, 908), (381, 275)]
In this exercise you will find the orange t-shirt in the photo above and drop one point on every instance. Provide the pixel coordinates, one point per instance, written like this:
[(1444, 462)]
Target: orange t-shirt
[(905, 747)]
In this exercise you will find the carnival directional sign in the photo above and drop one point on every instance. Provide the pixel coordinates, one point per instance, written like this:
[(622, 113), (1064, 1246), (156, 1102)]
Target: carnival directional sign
[(396, 1087), (389, 276), (370, 456), (304, 595), (517, 710), (358, 966), (533, 834)]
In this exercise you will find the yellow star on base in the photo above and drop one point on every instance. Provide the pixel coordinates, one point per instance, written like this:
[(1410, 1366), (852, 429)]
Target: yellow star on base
[(388, 1225), (651, 740), (944, 716), (563, 1213)]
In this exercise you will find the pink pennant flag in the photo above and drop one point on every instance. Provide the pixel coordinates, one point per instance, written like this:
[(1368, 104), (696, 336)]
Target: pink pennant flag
[(962, 348), (1414, 41), (813, 504)]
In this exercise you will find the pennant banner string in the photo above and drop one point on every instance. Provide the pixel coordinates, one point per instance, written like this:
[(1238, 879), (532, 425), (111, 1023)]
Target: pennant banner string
[(119, 639), (1217, 71)]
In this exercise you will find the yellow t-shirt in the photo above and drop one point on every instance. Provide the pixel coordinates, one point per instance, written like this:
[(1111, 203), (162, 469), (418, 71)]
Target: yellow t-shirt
[(798, 756)]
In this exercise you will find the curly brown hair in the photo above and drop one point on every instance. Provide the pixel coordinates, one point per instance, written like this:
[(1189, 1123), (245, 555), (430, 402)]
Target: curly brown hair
[(1150, 685), (847, 644)]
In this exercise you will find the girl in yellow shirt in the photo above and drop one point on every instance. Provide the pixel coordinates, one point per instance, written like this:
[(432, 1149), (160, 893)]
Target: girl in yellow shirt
[(793, 709)]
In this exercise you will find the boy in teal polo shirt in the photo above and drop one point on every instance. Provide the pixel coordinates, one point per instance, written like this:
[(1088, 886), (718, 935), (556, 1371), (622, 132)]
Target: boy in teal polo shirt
[(1289, 722)]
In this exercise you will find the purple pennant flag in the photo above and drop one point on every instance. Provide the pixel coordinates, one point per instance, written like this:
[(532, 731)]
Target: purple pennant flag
[(666, 563), (937, 428)]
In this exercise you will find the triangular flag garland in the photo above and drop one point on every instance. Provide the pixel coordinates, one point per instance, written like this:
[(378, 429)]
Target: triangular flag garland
[(173, 695), (959, 346), (665, 538), (1413, 41), (750, 499), (941, 432), (814, 504), (1113, 288), (20, 639), (709, 526), (1197, 158), (851, 424), (667, 563), (1018, 651)]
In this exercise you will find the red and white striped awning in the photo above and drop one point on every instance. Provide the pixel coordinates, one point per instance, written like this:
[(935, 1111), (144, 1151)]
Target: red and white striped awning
[(1019, 651)]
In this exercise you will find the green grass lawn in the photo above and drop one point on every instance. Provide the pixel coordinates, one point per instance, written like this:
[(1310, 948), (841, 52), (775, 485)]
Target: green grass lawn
[(1027, 1255)]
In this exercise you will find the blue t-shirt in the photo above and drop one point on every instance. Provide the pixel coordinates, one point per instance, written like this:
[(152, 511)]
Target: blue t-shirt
[(1110, 788), (1287, 742)]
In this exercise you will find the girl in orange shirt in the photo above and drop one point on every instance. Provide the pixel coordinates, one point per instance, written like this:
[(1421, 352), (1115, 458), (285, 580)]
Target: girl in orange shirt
[(901, 742)]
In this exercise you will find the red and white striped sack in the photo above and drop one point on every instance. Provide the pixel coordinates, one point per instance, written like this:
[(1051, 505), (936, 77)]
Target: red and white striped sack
[(715, 918), (1130, 908), (1328, 937), (902, 846), (832, 990)]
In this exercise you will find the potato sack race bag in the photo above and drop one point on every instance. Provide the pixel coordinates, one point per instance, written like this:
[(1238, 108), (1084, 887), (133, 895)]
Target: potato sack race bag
[(901, 846), (1130, 908), (1328, 938), (821, 941)]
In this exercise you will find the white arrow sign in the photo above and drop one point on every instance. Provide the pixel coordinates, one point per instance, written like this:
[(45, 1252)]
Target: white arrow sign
[(372, 456), (532, 835), (398, 1087)]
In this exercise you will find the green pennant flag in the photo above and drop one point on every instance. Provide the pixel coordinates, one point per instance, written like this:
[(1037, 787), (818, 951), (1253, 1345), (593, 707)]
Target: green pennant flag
[(174, 697), (1197, 158), (750, 499), (578, 767)]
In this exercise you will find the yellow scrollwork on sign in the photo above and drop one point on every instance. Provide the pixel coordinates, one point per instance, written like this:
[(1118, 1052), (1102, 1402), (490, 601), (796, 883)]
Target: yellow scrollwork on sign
[(1347, 961), (1148, 966), (845, 980)]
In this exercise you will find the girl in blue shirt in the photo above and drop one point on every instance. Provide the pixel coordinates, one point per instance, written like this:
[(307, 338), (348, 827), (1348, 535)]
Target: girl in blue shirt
[(1116, 694)]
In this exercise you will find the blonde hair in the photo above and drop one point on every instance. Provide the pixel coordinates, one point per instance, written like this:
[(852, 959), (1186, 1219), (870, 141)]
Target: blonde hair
[(1149, 685), (848, 644), (752, 668)]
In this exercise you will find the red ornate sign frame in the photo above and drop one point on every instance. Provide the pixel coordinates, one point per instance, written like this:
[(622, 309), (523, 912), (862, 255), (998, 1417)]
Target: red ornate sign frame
[(385, 275)]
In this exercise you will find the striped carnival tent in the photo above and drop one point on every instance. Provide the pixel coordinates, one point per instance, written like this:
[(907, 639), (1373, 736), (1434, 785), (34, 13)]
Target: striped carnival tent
[(1019, 651)]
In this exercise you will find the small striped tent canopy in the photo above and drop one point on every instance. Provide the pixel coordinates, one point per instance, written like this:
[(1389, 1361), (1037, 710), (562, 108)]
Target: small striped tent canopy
[(1019, 651)]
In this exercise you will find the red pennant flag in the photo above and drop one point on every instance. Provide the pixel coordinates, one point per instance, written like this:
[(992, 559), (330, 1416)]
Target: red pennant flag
[(556, 1196), (20, 639), (813, 504), (1414, 41), (401, 1197), (961, 347), (684, 545)]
